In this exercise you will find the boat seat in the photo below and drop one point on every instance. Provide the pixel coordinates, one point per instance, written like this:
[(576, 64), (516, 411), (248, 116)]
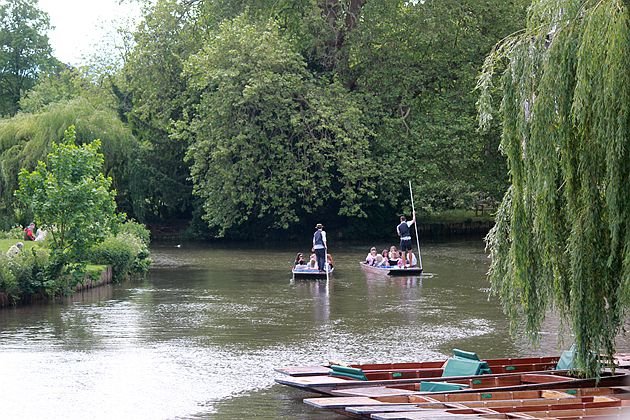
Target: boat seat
[(426, 386), (463, 354), (457, 366), (566, 361), (347, 372)]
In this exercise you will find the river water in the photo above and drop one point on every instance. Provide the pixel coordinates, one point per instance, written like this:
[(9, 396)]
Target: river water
[(200, 336)]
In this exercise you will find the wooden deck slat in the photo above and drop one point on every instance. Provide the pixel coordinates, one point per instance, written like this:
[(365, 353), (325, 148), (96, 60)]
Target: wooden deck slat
[(341, 402), (428, 414), (303, 370)]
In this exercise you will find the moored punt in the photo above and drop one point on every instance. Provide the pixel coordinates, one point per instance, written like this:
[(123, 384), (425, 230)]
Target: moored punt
[(391, 271), (463, 364), (500, 382), (381, 371), (499, 401), (485, 399), (571, 403), (508, 381), (402, 370), (310, 273), (585, 411)]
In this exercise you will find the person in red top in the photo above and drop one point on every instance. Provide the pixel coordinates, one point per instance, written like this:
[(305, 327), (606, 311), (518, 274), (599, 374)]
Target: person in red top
[(29, 232)]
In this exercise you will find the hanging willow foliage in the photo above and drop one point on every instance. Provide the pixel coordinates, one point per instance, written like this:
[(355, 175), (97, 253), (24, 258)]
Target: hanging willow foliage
[(561, 239)]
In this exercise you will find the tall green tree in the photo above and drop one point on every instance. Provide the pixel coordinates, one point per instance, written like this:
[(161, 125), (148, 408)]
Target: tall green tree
[(24, 50), (417, 63), (71, 198), (152, 90), (562, 238), (268, 142)]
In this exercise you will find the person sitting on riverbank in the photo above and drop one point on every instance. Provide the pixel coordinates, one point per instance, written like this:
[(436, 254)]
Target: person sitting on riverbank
[(29, 232), (370, 259), (40, 235), (15, 249), (299, 262)]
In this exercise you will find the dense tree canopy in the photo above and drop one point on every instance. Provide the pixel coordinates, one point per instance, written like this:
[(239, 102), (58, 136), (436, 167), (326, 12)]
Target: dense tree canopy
[(403, 72), (562, 238), (267, 140), (24, 50), (346, 101)]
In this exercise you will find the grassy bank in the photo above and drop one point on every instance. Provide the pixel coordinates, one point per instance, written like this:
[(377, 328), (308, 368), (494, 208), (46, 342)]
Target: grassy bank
[(32, 273)]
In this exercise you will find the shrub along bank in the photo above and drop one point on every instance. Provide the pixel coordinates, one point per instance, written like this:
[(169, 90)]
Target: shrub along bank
[(29, 274)]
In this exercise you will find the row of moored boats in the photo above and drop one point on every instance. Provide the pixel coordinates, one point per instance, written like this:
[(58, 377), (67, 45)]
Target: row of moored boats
[(465, 387)]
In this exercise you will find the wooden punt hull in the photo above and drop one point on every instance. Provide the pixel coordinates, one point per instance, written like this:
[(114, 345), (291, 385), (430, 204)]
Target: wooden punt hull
[(338, 386), (502, 382), (552, 410), (391, 271), (309, 273), (556, 404), (405, 370), (364, 405), (508, 364)]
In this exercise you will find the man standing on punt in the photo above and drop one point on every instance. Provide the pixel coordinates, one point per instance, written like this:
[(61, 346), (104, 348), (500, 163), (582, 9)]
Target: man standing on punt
[(404, 232), (320, 246)]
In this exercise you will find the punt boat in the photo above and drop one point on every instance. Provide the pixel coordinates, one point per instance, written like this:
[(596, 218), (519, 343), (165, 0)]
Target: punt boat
[(507, 381), (391, 271), (310, 273), (621, 360), (549, 380), (381, 371), (479, 402)]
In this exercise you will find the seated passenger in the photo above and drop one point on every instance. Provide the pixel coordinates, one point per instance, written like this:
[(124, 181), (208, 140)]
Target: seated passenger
[(394, 256), (331, 262), (371, 257), (299, 261), (312, 263), (385, 261)]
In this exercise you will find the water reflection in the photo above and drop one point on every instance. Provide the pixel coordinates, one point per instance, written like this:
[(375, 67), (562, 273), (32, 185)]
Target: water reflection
[(319, 291)]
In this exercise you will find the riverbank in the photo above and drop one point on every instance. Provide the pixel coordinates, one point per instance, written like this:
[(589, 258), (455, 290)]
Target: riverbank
[(31, 273), (90, 281), (442, 225)]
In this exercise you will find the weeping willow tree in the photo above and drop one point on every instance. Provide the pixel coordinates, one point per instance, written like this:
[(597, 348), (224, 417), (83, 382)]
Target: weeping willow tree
[(27, 138), (561, 240)]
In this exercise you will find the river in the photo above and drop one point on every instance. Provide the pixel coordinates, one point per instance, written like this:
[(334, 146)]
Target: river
[(200, 336)]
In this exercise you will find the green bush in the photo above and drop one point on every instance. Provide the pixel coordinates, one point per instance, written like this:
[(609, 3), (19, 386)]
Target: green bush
[(125, 252), (16, 232), (8, 282), (26, 274), (136, 229)]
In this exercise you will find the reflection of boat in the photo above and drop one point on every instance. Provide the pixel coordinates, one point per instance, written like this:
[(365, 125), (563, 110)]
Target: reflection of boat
[(310, 273), (391, 271), (510, 404)]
